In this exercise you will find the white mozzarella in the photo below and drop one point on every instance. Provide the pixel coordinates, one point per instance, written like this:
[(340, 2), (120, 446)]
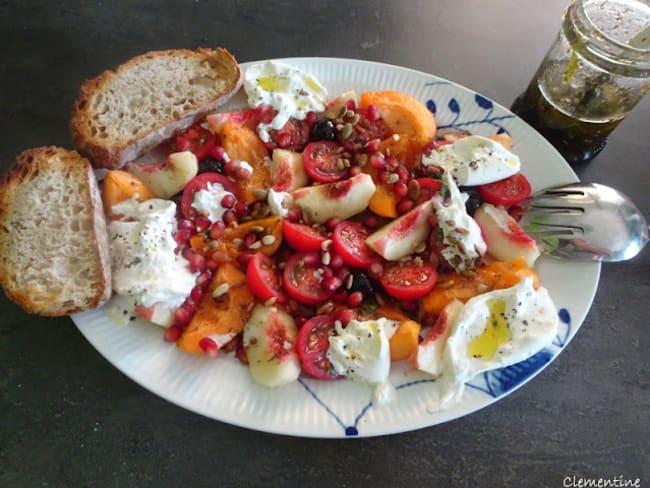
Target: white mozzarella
[(474, 160), (290, 91), (493, 330)]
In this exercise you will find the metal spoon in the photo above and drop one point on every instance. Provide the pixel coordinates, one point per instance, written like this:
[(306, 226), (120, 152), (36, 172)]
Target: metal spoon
[(585, 222)]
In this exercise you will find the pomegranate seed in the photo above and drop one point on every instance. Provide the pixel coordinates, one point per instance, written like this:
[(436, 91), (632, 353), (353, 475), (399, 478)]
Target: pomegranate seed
[(300, 319), (241, 209), (311, 118), (294, 215), (228, 201), (343, 273), (372, 112), (284, 140), (211, 264), (229, 217), (332, 283), (377, 162), (186, 224), (230, 168), (375, 270), (173, 333), (354, 170), (249, 239), (182, 316), (331, 223), (202, 223), (350, 104), (400, 189), (208, 346), (344, 316), (383, 176), (355, 298), (372, 146), (371, 221), (196, 261), (182, 235), (392, 163), (311, 259), (243, 258), (327, 272), (197, 293), (204, 278), (403, 173), (336, 261), (404, 206), (217, 230), (243, 173), (219, 153)]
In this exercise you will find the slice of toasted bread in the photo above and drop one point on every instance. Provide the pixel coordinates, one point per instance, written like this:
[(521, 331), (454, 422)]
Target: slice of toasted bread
[(54, 251), (122, 114)]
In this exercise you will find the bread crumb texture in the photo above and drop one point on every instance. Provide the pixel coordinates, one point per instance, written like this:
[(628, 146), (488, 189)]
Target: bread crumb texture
[(50, 262), (132, 101)]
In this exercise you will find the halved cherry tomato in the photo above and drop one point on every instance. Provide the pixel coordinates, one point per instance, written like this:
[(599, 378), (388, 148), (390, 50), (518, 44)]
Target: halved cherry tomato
[(302, 281), (263, 279), (201, 182), (301, 237), (196, 139), (409, 280), (349, 241), (369, 126), (312, 344), (321, 161), (293, 136), (428, 188), (509, 191)]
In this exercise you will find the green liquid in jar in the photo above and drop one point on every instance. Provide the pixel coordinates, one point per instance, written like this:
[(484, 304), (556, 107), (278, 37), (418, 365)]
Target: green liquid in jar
[(578, 140)]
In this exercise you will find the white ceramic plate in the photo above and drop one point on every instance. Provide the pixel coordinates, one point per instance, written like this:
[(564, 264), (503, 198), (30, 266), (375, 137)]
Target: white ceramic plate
[(222, 389)]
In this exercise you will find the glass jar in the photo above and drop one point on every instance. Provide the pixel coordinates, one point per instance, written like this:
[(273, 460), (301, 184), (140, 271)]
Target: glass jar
[(597, 70)]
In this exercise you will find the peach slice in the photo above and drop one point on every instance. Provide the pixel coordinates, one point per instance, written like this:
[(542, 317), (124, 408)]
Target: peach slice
[(287, 170), (269, 340), (169, 177), (341, 199), (505, 239), (403, 235)]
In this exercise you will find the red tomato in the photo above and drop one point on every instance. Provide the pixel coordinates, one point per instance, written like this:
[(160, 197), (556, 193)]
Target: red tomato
[(302, 281), (263, 279), (312, 344), (321, 159), (428, 188), (506, 192), (293, 136), (196, 139), (200, 182), (349, 241), (301, 237), (410, 280), (370, 126)]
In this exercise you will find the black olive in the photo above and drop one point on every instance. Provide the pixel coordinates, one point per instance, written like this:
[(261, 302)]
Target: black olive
[(474, 201), (323, 130), (210, 165), (361, 282)]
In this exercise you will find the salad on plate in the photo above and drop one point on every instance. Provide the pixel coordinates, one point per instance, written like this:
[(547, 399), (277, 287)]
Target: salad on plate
[(333, 237)]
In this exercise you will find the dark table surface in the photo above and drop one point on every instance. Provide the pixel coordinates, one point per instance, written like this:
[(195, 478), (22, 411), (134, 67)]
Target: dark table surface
[(70, 419)]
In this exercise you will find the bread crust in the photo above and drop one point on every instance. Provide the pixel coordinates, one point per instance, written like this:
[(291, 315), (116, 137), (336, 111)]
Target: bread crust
[(34, 297), (114, 154)]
